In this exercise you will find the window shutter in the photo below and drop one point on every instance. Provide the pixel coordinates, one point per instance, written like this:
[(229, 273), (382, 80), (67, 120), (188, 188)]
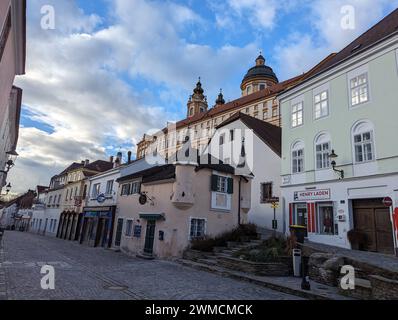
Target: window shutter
[(262, 187), (230, 186), (213, 185)]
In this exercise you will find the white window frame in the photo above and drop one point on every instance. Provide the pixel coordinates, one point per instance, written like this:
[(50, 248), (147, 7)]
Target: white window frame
[(96, 190), (320, 140), (135, 187), (320, 231), (109, 187), (363, 70), (296, 147), (360, 128), (319, 100), (294, 114), (190, 225), (222, 190)]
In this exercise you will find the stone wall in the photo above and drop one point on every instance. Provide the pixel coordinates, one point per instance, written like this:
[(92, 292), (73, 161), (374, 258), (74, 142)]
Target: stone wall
[(281, 268), (383, 288)]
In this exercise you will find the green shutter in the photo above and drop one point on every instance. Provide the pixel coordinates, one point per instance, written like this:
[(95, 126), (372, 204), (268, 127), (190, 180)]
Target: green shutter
[(230, 185), (213, 182)]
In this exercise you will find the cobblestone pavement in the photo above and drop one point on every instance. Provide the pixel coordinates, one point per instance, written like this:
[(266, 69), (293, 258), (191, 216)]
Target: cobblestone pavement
[(94, 273)]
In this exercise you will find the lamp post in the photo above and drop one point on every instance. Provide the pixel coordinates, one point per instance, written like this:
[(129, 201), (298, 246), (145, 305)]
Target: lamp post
[(334, 156)]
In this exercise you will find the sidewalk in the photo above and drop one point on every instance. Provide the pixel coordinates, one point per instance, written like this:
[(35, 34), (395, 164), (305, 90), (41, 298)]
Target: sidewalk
[(290, 285)]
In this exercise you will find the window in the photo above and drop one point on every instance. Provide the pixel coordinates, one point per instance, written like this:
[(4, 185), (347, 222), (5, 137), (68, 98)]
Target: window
[(4, 34), (222, 184), (231, 135), (321, 105), (249, 90), (359, 89), (298, 158), (265, 114), (222, 188), (266, 192), (59, 199), (322, 151), (109, 187), (67, 194), (96, 190), (222, 139), (297, 114), (50, 200), (125, 189), (197, 229), (135, 187), (129, 228), (262, 86), (275, 111), (326, 219), (363, 144)]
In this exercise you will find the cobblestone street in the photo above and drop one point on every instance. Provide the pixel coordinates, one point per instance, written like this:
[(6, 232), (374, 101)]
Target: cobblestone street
[(94, 273)]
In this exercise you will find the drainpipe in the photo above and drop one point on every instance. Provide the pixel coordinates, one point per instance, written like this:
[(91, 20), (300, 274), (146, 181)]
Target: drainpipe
[(239, 202)]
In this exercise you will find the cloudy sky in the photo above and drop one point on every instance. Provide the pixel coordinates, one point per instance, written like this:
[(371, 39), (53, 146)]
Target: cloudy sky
[(112, 70)]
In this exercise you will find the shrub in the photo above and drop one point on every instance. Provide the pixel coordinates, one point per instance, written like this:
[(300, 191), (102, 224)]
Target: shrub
[(269, 250), (207, 244)]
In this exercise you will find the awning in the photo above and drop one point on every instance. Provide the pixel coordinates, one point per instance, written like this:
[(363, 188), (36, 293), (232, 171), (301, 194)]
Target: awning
[(152, 216)]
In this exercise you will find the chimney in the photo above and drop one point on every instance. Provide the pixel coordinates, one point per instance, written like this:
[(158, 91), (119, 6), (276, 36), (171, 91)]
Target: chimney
[(129, 157), (111, 159), (86, 162)]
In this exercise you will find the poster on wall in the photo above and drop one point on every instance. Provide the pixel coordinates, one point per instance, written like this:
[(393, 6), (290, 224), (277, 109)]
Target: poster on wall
[(312, 195)]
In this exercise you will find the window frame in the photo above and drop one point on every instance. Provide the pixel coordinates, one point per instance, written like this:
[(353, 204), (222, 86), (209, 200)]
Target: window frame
[(320, 231), (319, 94), (362, 144), (5, 33), (109, 187), (297, 112), (264, 199), (128, 232), (190, 236), (296, 147)]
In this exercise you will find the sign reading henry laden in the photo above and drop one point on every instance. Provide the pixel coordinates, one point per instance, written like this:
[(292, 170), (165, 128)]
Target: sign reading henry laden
[(310, 195)]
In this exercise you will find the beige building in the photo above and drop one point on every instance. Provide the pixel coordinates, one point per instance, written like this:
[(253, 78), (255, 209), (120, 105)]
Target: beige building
[(259, 89), (160, 210), (12, 63)]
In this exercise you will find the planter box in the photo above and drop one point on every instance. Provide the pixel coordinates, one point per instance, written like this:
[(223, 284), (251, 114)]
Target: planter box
[(276, 269)]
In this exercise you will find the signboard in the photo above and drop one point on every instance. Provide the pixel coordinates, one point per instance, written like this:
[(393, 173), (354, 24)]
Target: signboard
[(101, 198), (387, 201), (308, 195)]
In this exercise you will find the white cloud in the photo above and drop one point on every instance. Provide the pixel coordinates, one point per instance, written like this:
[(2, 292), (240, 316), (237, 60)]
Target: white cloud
[(76, 80), (300, 51)]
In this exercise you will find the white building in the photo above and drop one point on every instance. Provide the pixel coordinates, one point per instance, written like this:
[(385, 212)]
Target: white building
[(260, 157), (339, 149)]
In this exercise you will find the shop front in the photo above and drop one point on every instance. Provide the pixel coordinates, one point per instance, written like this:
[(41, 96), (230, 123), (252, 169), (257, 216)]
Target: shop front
[(333, 212), (97, 228)]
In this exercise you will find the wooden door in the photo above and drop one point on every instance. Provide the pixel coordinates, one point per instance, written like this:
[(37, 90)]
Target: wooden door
[(373, 218), (149, 236)]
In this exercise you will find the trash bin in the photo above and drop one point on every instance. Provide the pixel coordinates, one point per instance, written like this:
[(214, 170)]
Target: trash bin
[(299, 232), (297, 262)]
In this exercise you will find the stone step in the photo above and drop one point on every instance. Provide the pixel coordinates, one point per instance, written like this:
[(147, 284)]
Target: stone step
[(211, 262), (362, 291), (287, 285)]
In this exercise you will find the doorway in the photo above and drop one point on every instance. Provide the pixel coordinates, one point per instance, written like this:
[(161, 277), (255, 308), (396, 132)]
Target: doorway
[(119, 230), (373, 219), (302, 215), (149, 236)]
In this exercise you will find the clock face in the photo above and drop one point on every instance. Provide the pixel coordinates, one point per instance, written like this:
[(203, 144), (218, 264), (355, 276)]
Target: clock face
[(101, 198)]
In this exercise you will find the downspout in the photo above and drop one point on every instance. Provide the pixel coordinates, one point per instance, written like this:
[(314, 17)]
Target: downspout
[(239, 202)]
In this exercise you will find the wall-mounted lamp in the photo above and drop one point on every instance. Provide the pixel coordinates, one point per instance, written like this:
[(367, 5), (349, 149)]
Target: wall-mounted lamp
[(334, 156), (12, 157)]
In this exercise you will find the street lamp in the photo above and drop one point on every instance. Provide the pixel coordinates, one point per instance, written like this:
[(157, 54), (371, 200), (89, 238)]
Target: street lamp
[(334, 156), (12, 157), (8, 188)]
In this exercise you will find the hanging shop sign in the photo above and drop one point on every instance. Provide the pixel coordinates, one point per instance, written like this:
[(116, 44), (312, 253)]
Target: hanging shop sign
[(387, 201), (101, 198), (309, 195)]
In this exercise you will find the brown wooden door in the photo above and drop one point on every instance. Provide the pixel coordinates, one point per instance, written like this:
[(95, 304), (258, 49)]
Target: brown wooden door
[(372, 218)]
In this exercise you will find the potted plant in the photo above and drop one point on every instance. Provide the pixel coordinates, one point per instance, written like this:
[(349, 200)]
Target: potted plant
[(358, 239)]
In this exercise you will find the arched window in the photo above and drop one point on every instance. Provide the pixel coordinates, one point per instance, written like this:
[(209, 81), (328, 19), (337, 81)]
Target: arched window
[(191, 111), (363, 142), (249, 90), (298, 157), (322, 151)]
